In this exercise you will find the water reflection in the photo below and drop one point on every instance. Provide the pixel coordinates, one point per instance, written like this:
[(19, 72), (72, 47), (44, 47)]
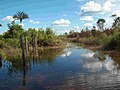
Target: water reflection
[(24, 72), (71, 68), (0, 62), (17, 65), (96, 61), (88, 55), (66, 53), (116, 61)]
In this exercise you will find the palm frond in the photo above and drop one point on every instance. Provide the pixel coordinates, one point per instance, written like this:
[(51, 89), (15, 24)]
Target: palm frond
[(20, 15)]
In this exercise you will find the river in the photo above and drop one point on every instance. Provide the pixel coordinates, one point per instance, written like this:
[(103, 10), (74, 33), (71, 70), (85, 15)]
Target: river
[(73, 68)]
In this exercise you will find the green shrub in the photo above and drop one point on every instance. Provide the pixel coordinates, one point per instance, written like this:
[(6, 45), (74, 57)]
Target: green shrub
[(103, 39), (12, 42), (114, 44), (2, 54)]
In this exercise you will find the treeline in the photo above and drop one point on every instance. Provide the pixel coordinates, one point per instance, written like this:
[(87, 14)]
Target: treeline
[(10, 40), (109, 39), (44, 37), (17, 39)]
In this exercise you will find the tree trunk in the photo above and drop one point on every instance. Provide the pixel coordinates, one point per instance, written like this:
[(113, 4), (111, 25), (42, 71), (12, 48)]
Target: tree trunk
[(26, 46), (36, 44), (22, 47)]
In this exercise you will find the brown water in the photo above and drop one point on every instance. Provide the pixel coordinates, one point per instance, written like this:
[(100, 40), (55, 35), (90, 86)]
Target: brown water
[(73, 68)]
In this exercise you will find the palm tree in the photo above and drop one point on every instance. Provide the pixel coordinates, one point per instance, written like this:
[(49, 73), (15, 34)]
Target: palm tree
[(100, 24), (20, 15)]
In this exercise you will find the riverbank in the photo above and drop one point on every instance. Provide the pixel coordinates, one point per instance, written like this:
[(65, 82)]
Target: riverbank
[(101, 49), (93, 46), (107, 40), (13, 53)]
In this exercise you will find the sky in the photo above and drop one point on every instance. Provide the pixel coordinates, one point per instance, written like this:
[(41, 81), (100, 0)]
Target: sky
[(61, 15)]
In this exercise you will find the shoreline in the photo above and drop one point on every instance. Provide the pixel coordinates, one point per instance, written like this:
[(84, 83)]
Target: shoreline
[(51, 47), (100, 48)]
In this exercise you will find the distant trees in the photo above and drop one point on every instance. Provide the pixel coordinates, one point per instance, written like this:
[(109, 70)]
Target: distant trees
[(116, 23), (100, 24), (71, 31), (94, 28), (49, 31)]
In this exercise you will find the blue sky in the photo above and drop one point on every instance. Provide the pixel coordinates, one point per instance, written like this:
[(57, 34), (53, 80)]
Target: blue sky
[(61, 15)]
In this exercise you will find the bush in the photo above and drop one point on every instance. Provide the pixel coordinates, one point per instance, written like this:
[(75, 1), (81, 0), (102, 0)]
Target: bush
[(2, 54), (103, 39), (12, 42), (114, 44)]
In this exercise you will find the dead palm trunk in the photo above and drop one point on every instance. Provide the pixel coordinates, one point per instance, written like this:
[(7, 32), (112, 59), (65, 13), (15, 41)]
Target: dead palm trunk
[(26, 46), (35, 44), (22, 47)]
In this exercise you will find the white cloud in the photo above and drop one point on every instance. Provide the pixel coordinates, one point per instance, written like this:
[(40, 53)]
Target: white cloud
[(108, 22), (8, 18), (61, 22), (34, 22), (87, 18), (76, 27), (108, 5), (22, 24), (112, 0), (88, 24), (117, 12), (91, 6)]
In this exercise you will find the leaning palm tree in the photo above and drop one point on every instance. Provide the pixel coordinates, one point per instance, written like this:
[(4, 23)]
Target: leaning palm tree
[(20, 15)]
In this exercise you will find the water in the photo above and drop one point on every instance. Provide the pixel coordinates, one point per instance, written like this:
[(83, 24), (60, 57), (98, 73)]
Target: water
[(73, 68)]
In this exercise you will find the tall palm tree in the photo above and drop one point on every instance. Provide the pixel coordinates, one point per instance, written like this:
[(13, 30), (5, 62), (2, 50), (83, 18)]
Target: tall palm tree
[(20, 15), (100, 24)]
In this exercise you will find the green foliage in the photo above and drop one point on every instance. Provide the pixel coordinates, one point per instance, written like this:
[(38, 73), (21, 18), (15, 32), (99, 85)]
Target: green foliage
[(103, 39), (47, 37), (96, 33), (12, 42), (14, 31), (2, 43), (116, 23), (2, 54), (30, 34), (109, 38), (44, 37), (114, 44), (49, 31)]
